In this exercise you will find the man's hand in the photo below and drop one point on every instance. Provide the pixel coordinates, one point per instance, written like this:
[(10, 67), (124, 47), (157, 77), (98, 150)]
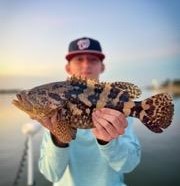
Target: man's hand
[(109, 124)]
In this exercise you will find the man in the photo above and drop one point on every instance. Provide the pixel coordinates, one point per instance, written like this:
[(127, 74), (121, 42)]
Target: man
[(98, 156)]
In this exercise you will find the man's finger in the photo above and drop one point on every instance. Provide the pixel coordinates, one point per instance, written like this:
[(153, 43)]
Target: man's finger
[(101, 133), (110, 112), (123, 120), (102, 123), (118, 122)]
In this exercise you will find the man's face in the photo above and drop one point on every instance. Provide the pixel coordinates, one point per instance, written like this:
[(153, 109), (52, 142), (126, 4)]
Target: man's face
[(85, 65)]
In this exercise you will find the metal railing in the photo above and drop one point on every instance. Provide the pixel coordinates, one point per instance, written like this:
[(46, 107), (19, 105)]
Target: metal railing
[(29, 130)]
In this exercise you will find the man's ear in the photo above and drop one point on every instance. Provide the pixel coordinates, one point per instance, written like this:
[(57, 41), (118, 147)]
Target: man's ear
[(67, 68), (102, 68)]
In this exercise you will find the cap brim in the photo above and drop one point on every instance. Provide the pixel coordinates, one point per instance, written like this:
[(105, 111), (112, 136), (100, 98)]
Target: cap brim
[(70, 55)]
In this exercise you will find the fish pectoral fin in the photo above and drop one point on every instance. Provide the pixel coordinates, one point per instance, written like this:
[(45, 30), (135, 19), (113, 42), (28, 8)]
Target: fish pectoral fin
[(63, 132)]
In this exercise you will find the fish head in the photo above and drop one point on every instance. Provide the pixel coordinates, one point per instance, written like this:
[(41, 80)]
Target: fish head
[(24, 103), (40, 101)]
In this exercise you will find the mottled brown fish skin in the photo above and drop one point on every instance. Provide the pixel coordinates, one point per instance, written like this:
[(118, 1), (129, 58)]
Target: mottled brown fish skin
[(75, 99), (85, 96), (155, 112)]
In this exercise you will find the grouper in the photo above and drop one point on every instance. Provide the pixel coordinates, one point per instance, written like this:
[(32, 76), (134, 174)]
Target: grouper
[(75, 99)]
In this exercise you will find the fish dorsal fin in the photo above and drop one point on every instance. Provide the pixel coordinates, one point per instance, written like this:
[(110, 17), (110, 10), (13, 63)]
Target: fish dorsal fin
[(84, 83), (133, 90), (80, 80)]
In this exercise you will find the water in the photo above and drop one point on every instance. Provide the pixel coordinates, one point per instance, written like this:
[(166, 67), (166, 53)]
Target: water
[(160, 164), (12, 144)]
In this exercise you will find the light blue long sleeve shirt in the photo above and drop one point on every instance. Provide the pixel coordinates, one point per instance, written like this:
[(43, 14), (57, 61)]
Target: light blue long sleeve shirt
[(86, 163)]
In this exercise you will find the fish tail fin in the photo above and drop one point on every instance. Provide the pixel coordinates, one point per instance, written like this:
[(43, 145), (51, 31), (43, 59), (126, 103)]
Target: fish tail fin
[(155, 112)]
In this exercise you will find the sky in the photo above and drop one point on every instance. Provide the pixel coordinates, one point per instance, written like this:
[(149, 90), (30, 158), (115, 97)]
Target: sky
[(140, 38)]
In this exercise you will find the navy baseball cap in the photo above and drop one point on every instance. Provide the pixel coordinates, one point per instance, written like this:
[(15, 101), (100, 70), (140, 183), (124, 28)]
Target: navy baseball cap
[(85, 45)]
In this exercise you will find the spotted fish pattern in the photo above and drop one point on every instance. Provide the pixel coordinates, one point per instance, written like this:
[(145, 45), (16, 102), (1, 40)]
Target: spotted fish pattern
[(75, 99)]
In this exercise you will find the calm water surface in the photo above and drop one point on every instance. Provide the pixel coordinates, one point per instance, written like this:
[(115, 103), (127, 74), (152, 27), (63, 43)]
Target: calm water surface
[(160, 164)]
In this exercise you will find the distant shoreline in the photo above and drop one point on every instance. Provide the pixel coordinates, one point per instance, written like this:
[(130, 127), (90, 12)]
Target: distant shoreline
[(10, 91), (172, 87)]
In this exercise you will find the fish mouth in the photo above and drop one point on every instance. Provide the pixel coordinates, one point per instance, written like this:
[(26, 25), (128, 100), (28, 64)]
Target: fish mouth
[(22, 103), (17, 102), (19, 97)]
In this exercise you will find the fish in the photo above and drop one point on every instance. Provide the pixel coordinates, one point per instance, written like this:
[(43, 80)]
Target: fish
[(75, 99)]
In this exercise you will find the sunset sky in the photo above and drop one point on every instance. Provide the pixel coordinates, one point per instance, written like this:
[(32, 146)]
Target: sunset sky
[(137, 36)]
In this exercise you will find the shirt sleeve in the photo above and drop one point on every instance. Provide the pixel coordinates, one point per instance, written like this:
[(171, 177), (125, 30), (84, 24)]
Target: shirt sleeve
[(123, 153), (53, 160)]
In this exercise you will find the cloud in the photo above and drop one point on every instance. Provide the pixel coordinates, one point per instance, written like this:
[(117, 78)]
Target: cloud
[(37, 70), (144, 54)]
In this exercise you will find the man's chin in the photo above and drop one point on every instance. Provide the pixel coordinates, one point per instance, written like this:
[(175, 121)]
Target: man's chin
[(87, 76)]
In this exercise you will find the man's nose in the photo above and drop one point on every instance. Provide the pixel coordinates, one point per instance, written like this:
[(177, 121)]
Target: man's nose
[(86, 63)]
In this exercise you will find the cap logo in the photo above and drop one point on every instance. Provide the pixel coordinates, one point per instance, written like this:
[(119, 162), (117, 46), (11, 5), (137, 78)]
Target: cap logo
[(83, 44)]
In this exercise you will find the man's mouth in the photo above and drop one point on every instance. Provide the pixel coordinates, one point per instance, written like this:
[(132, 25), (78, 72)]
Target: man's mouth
[(86, 73)]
